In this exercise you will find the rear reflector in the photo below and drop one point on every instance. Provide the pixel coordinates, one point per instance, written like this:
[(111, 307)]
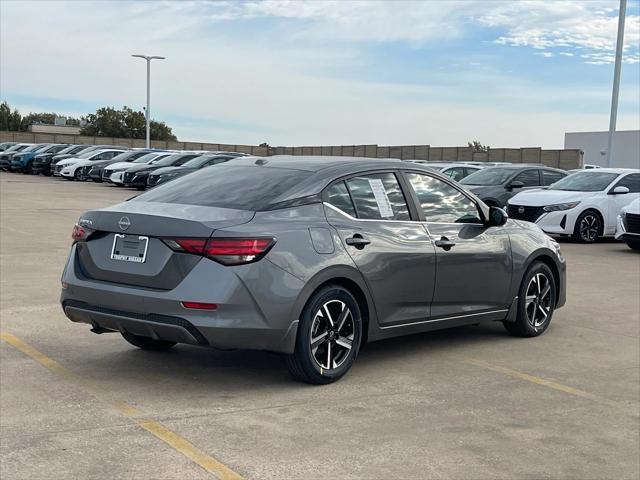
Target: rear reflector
[(227, 251), (199, 305)]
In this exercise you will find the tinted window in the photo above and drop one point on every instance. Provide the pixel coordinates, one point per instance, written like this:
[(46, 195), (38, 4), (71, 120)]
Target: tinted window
[(378, 196), (632, 182), (530, 178), (549, 177), (440, 202), (243, 188), (455, 173), (338, 196), (173, 160)]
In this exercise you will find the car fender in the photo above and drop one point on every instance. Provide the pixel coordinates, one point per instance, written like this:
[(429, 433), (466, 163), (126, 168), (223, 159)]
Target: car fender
[(337, 273)]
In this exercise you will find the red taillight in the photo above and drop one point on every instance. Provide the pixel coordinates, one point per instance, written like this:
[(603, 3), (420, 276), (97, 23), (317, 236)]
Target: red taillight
[(228, 251), (199, 305), (80, 233)]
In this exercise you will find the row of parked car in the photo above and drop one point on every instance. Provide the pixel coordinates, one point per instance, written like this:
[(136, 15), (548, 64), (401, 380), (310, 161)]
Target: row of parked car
[(585, 204)]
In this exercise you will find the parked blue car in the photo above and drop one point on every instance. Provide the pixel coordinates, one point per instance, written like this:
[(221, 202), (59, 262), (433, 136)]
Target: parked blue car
[(23, 161)]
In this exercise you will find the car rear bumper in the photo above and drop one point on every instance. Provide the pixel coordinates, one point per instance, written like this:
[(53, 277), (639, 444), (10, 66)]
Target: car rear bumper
[(254, 306)]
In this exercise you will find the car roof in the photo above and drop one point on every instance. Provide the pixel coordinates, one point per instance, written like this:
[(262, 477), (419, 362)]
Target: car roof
[(312, 163), (610, 170)]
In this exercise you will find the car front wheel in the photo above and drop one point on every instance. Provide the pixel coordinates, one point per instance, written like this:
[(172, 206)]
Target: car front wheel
[(329, 336), (633, 244), (536, 302), (588, 227)]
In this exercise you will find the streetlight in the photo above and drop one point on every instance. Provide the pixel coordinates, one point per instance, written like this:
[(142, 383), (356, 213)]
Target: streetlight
[(616, 80), (148, 110)]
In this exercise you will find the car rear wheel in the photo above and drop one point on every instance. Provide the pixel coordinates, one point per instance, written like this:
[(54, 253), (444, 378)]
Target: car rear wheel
[(536, 302), (588, 227), (147, 343), (329, 336)]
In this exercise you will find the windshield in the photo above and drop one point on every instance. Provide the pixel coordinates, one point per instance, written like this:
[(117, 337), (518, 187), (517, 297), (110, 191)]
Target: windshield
[(584, 182), (16, 148), (176, 159), (70, 149), (150, 156), (33, 148), (489, 176), (198, 162), (86, 154), (226, 186)]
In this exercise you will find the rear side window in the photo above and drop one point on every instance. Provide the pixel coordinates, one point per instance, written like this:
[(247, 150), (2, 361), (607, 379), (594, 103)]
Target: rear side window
[(378, 197), (530, 178), (226, 186), (338, 196), (549, 177)]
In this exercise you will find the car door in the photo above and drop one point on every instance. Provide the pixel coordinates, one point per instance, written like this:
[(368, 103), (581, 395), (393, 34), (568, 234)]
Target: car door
[(615, 202), (387, 243), (473, 261)]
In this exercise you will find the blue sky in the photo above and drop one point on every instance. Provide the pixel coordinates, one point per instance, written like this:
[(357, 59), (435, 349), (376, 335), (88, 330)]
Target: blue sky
[(508, 73)]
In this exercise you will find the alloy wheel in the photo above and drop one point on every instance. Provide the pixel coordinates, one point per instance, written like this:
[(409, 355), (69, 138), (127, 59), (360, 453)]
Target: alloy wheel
[(332, 334), (538, 300), (589, 228)]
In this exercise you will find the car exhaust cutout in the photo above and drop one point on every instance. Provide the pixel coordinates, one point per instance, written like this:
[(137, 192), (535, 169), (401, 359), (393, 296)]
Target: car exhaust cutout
[(227, 251)]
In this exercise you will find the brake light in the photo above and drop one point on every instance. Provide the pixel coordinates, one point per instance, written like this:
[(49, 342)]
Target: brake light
[(80, 233), (227, 251)]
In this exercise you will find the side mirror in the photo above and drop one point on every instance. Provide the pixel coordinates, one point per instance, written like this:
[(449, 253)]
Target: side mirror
[(515, 184), (497, 217), (619, 191)]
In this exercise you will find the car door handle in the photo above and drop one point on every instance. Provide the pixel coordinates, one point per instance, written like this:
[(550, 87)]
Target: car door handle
[(357, 241), (445, 244)]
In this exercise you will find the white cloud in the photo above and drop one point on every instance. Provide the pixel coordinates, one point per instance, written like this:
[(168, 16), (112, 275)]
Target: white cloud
[(578, 25), (281, 85)]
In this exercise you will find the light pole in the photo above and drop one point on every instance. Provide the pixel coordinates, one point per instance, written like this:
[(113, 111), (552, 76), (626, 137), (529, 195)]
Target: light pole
[(148, 110), (616, 80)]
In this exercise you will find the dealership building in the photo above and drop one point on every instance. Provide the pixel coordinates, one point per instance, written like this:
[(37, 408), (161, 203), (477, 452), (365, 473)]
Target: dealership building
[(626, 147)]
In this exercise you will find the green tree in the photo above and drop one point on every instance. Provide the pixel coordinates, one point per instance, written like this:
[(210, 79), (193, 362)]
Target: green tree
[(478, 147), (9, 121), (125, 123)]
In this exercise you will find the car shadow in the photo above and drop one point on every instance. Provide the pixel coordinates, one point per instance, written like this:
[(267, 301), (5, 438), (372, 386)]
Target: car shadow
[(199, 369)]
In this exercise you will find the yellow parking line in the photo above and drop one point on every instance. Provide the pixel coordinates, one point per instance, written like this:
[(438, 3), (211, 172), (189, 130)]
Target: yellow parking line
[(541, 381), (154, 427)]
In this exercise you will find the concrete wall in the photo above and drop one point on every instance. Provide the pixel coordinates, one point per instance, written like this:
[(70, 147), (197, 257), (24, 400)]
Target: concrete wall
[(626, 147), (567, 159)]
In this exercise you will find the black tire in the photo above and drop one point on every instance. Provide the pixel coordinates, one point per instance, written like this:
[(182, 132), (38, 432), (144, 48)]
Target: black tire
[(27, 170), (77, 176), (531, 319), (588, 227), (310, 365), (147, 343), (633, 244)]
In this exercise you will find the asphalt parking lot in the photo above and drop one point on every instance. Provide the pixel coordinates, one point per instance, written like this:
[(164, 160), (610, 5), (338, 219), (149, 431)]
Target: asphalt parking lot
[(464, 403)]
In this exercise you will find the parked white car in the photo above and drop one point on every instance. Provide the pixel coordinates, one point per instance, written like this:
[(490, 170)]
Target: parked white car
[(584, 205), (108, 173), (628, 225), (69, 166)]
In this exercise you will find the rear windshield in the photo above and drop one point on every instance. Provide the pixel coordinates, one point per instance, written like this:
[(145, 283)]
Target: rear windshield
[(226, 186)]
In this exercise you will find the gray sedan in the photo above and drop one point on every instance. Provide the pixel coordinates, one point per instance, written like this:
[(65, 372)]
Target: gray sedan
[(311, 257)]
